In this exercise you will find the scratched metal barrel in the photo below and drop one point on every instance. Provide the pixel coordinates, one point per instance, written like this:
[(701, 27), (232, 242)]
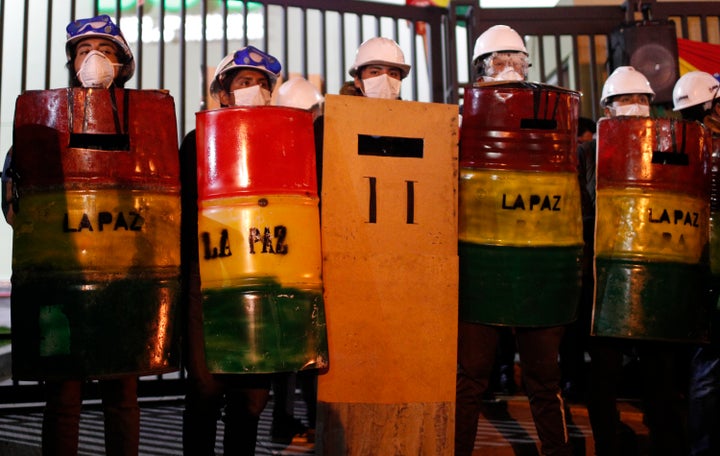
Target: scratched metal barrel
[(520, 223), (259, 241), (652, 229), (96, 236), (714, 289)]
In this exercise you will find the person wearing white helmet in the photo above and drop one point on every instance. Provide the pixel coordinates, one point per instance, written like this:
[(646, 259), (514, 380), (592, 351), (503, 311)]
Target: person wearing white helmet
[(298, 92), (626, 92), (696, 96), (245, 77), (487, 349), (500, 55), (378, 69), (98, 56)]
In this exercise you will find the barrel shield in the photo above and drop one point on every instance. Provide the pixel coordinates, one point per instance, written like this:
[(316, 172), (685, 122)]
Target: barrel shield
[(652, 230), (96, 238), (259, 241), (520, 224)]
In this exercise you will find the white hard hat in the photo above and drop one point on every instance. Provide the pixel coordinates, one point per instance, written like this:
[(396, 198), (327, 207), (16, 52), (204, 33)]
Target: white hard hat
[(623, 81), (498, 38), (101, 27), (694, 88), (379, 51), (248, 57), (298, 93)]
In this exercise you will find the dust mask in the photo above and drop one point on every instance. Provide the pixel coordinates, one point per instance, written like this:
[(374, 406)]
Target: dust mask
[(382, 86), (509, 74), (632, 110), (252, 96), (97, 70)]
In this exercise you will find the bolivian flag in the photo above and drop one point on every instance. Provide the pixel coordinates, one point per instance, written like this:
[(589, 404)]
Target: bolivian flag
[(698, 56)]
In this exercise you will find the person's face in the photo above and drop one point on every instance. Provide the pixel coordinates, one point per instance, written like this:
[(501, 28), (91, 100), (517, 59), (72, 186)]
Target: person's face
[(515, 60), (626, 99), (103, 45), (372, 71), (242, 79)]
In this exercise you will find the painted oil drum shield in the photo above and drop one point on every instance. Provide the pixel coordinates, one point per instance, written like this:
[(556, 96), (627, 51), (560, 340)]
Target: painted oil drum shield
[(520, 225), (259, 241), (715, 223), (652, 229), (96, 238)]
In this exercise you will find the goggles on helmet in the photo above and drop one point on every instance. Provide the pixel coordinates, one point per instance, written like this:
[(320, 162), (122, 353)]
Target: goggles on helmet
[(253, 57), (94, 25)]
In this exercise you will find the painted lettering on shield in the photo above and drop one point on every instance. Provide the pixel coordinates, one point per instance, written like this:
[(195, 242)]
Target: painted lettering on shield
[(390, 146)]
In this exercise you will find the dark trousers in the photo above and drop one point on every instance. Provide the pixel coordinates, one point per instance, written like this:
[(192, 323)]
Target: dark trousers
[(661, 400), (704, 401), (236, 399), (61, 419), (538, 349)]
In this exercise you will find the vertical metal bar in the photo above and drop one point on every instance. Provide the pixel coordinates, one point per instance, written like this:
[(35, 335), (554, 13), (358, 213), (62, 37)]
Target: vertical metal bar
[(435, 59), (304, 42), (684, 26), (245, 26), (48, 42), (341, 32), (593, 77), (453, 96), (140, 10), (2, 47), (23, 60), (575, 61), (204, 53), (225, 50), (559, 67), (360, 34), (161, 48), (285, 34), (541, 49), (182, 71), (266, 27), (322, 50), (413, 55)]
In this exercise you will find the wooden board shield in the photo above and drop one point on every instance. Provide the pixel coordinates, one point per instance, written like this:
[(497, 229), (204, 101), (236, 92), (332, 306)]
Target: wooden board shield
[(390, 271)]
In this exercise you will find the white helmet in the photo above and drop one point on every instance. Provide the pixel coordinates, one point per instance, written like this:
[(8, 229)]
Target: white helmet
[(380, 51), (298, 93), (498, 38), (623, 81), (247, 57), (694, 88), (100, 27)]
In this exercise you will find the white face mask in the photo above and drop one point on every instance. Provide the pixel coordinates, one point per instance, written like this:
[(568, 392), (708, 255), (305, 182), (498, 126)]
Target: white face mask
[(97, 70), (382, 86), (631, 110), (252, 96), (508, 74)]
